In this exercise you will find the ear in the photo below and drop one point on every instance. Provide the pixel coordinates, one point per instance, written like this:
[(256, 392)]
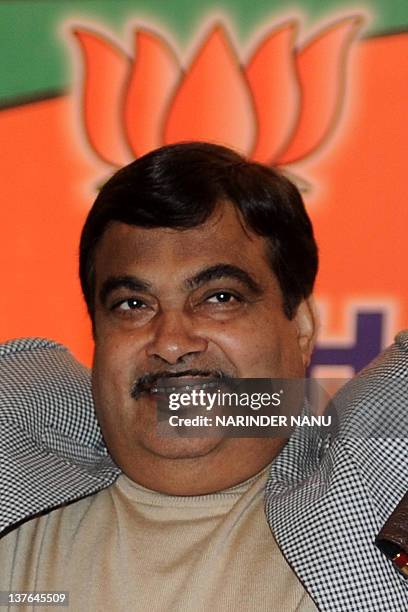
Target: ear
[(307, 323)]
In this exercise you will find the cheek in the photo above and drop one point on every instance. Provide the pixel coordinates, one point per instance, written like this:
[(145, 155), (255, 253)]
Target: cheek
[(113, 367), (116, 348), (261, 346), (249, 346), (112, 381)]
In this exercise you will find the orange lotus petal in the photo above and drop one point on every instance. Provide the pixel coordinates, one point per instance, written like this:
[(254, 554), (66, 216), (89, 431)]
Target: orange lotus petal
[(321, 67), (213, 101), (106, 69), (272, 77), (154, 76)]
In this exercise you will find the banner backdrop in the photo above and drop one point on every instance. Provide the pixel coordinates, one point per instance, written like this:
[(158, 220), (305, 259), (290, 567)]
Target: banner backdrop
[(320, 90)]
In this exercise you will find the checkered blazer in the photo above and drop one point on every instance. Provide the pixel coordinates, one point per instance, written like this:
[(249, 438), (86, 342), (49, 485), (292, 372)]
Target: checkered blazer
[(326, 497)]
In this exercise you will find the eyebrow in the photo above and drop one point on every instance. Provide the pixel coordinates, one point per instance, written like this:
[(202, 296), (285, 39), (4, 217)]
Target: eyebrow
[(133, 283), (216, 272), (220, 271)]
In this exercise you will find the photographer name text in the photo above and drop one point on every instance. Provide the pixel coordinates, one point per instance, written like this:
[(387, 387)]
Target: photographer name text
[(259, 420)]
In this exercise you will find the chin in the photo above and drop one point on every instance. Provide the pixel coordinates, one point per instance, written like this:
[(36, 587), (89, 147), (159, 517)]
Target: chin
[(172, 447)]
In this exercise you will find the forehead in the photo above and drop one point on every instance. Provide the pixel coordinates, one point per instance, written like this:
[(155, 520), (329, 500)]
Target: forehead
[(223, 237)]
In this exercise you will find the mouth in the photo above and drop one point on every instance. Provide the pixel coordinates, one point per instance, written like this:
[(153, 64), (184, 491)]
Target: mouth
[(163, 384), (184, 384)]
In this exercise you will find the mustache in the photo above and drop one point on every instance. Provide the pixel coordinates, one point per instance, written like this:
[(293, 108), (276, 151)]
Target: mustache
[(146, 382)]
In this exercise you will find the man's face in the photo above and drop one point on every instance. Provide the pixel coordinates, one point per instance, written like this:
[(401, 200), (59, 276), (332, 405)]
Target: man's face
[(169, 301)]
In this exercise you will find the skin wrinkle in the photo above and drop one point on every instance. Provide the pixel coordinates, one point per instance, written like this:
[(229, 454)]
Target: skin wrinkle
[(181, 327)]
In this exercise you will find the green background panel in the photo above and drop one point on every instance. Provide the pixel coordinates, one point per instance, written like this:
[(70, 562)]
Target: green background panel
[(35, 58)]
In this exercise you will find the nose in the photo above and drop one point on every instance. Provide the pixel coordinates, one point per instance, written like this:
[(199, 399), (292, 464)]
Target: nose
[(174, 339)]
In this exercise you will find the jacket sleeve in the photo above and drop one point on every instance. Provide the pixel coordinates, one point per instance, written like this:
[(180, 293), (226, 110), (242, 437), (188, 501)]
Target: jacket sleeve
[(51, 447)]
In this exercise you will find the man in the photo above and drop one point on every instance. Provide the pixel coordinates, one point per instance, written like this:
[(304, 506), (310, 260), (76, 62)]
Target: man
[(188, 289), (197, 266)]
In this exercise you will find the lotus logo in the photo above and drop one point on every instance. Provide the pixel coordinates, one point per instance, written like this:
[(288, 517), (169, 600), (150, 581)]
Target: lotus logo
[(277, 108)]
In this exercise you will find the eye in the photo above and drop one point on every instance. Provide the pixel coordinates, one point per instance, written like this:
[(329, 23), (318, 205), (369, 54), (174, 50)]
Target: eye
[(130, 304), (223, 297)]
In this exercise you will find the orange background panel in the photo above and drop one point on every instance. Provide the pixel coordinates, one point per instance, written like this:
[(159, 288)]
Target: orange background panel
[(357, 199), (43, 209)]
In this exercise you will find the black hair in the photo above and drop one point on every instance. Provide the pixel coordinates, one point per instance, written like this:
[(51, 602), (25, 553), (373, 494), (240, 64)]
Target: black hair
[(179, 186)]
